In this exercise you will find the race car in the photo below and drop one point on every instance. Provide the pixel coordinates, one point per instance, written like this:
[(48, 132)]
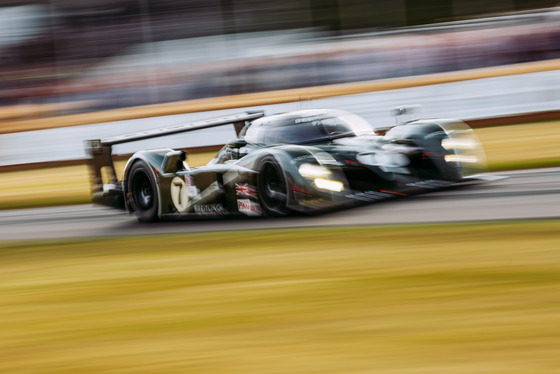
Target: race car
[(305, 161)]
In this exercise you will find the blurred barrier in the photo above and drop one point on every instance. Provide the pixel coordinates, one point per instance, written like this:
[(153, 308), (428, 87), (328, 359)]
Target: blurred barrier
[(272, 97), (510, 120), (498, 99), (475, 123), (78, 57)]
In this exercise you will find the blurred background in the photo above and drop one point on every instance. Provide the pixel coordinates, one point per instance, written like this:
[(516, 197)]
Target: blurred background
[(71, 56)]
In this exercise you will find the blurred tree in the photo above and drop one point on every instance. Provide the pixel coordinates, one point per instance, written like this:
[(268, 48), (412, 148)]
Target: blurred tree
[(428, 11), (534, 4), (431, 11), (326, 15), (360, 14), (340, 16)]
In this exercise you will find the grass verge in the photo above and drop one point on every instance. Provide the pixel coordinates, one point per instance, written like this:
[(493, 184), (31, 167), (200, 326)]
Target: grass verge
[(507, 147), (457, 298), (521, 146)]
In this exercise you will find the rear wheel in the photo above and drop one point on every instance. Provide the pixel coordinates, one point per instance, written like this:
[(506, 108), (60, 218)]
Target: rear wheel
[(143, 193), (273, 191)]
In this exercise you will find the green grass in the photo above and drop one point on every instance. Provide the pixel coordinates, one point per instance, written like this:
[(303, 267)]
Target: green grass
[(457, 298)]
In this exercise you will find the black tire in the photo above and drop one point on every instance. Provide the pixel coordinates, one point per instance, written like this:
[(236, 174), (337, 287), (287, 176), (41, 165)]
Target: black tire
[(143, 192), (273, 190)]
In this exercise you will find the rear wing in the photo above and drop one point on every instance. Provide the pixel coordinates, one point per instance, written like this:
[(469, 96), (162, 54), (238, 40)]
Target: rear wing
[(105, 187)]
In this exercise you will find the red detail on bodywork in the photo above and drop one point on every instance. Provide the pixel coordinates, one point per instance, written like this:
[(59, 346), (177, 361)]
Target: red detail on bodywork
[(393, 192), (302, 190), (431, 154)]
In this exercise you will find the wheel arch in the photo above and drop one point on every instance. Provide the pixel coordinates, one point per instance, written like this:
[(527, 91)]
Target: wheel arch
[(270, 205), (152, 159), (453, 129), (290, 158)]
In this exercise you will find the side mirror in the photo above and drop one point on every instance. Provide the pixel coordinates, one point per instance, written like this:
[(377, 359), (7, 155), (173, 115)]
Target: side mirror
[(405, 110), (238, 143), (174, 161)]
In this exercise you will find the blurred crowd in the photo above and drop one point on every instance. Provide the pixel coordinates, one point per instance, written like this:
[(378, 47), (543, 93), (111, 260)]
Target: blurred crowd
[(129, 53)]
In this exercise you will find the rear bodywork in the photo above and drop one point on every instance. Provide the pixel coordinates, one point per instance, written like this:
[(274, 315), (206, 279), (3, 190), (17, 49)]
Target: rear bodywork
[(410, 158), (107, 189)]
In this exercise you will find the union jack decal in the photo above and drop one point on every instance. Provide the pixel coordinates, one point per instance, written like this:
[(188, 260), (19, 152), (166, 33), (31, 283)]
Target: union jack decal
[(245, 190)]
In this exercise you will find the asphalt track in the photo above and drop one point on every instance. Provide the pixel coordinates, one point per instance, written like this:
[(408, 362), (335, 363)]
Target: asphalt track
[(521, 195)]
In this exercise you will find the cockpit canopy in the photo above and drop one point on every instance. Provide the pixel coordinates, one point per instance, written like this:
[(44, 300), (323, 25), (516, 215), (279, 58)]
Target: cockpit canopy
[(305, 127)]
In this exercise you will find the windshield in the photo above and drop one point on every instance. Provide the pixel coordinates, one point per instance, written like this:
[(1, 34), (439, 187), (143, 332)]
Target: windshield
[(346, 125), (319, 127)]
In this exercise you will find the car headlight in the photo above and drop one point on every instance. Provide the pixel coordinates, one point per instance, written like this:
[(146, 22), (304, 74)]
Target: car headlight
[(461, 158), (313, 171), (330, 185), (459, 143), (320, 176)]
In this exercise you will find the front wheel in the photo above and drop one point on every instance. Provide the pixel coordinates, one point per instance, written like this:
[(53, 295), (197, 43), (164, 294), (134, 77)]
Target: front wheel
[(273, 191), (143, 193)]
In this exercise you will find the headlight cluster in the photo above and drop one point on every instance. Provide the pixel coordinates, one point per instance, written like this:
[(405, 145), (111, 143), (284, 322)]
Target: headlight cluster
[(464, 147), (459, 143), (327, 184), (320, 176), (461, 158)]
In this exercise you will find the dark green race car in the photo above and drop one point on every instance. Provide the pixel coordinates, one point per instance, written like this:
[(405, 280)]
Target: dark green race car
[(307, 161)]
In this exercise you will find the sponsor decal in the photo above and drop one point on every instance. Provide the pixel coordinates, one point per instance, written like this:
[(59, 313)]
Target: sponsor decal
[(316, 119), (210, 209), (301, 158), (248, 207), (245, 190), (192, 191)]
